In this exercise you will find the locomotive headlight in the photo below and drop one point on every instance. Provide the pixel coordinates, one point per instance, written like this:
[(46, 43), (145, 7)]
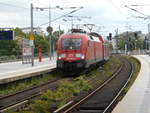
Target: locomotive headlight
[(62, 56), (79, 55)]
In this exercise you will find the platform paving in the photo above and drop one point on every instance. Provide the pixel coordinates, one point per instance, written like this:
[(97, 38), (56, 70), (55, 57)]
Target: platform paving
[(16, 70), (137, 99)]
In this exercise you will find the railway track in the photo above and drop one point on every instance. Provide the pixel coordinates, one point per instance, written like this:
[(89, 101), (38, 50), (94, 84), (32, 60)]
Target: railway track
[(102, 99), (20, 99)]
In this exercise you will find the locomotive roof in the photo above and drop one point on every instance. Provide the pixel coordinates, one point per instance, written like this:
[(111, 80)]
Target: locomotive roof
[(89, 36), (96, 39)]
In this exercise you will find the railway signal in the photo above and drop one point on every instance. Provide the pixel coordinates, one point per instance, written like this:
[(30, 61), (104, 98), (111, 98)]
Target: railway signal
[(109, 37)]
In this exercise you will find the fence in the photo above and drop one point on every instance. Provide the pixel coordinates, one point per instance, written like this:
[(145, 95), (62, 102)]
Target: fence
[(134, 52)]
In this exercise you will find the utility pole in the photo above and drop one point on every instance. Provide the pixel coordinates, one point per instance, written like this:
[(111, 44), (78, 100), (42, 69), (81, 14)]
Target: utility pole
[(127, 36), (135, 44), (50, 29), (146, 44), (49, 36), (32, 41), (149, 37), (59, 30), (127, 41), (116, 40), (125, 49), (143, 17)]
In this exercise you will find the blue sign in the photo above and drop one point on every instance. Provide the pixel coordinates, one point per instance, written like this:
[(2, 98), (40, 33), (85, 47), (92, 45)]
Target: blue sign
[(7, 35)]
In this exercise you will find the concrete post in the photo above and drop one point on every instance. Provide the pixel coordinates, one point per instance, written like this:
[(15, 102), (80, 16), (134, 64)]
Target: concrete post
[(32, 41)]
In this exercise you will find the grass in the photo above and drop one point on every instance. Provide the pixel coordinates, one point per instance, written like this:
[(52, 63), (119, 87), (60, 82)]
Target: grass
[(67, 90), (112, 66), (108, 69), (137, 66), (10, 89)]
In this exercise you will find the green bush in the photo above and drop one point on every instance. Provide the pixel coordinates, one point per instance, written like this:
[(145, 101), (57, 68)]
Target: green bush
[(26, 84), (65, 92), (41, 106)]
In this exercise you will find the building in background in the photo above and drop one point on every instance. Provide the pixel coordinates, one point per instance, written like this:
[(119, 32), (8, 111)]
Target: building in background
[(37, 30)]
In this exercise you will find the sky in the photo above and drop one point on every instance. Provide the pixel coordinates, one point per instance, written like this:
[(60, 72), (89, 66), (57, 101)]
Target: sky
[(106, 15)]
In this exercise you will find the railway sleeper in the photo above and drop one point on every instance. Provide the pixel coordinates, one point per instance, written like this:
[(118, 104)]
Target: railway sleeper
[(16, 107), (89, 111), (93, 108)]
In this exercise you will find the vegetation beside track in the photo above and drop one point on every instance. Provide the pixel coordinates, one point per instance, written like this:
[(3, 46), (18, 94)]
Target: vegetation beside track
[(25, 84), (65, 92), (107, 69), (136, 68), (68, 90)]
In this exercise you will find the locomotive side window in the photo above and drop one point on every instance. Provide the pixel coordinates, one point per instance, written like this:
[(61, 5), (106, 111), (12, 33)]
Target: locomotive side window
[(68, 44), (91, 37)]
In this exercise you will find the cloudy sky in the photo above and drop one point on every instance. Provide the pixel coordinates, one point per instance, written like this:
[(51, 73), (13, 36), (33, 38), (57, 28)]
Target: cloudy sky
[(107, 15)]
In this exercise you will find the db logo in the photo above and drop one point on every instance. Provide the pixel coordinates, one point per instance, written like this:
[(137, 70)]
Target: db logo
[(70, 55)]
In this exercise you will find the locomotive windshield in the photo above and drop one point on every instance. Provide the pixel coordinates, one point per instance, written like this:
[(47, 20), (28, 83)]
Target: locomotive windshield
[(71, 43)]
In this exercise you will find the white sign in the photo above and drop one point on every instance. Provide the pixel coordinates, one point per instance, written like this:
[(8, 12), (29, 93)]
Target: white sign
[(27, 51), (31, 42)]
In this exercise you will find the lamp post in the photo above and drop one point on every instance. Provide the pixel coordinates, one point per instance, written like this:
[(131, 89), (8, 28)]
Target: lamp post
[(116, 40)]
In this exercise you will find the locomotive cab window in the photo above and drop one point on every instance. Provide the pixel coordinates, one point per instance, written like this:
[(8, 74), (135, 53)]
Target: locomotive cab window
[(71, 44)]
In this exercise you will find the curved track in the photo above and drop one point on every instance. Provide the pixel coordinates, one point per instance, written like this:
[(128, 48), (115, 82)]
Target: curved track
[(102, 98)]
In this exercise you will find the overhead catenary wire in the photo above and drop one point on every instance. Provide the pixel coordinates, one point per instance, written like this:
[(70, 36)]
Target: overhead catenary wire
[(59, 17), (140, 5), (127, 6)]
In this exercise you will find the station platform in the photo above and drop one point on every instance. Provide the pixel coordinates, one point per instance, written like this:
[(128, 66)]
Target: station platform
[(137, 98), (13, 71)]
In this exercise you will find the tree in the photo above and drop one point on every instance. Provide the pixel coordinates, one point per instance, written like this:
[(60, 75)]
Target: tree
[(40, 41), (132, 39), (12, 47), (19, 32), (55, 36)]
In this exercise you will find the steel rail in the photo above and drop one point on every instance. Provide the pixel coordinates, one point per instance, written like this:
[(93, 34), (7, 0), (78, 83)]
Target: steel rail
[(75, 104), (26, 98), (111, 103)]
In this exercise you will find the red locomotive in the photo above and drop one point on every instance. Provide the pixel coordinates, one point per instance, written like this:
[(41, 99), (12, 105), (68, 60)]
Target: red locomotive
[(79, 49)]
